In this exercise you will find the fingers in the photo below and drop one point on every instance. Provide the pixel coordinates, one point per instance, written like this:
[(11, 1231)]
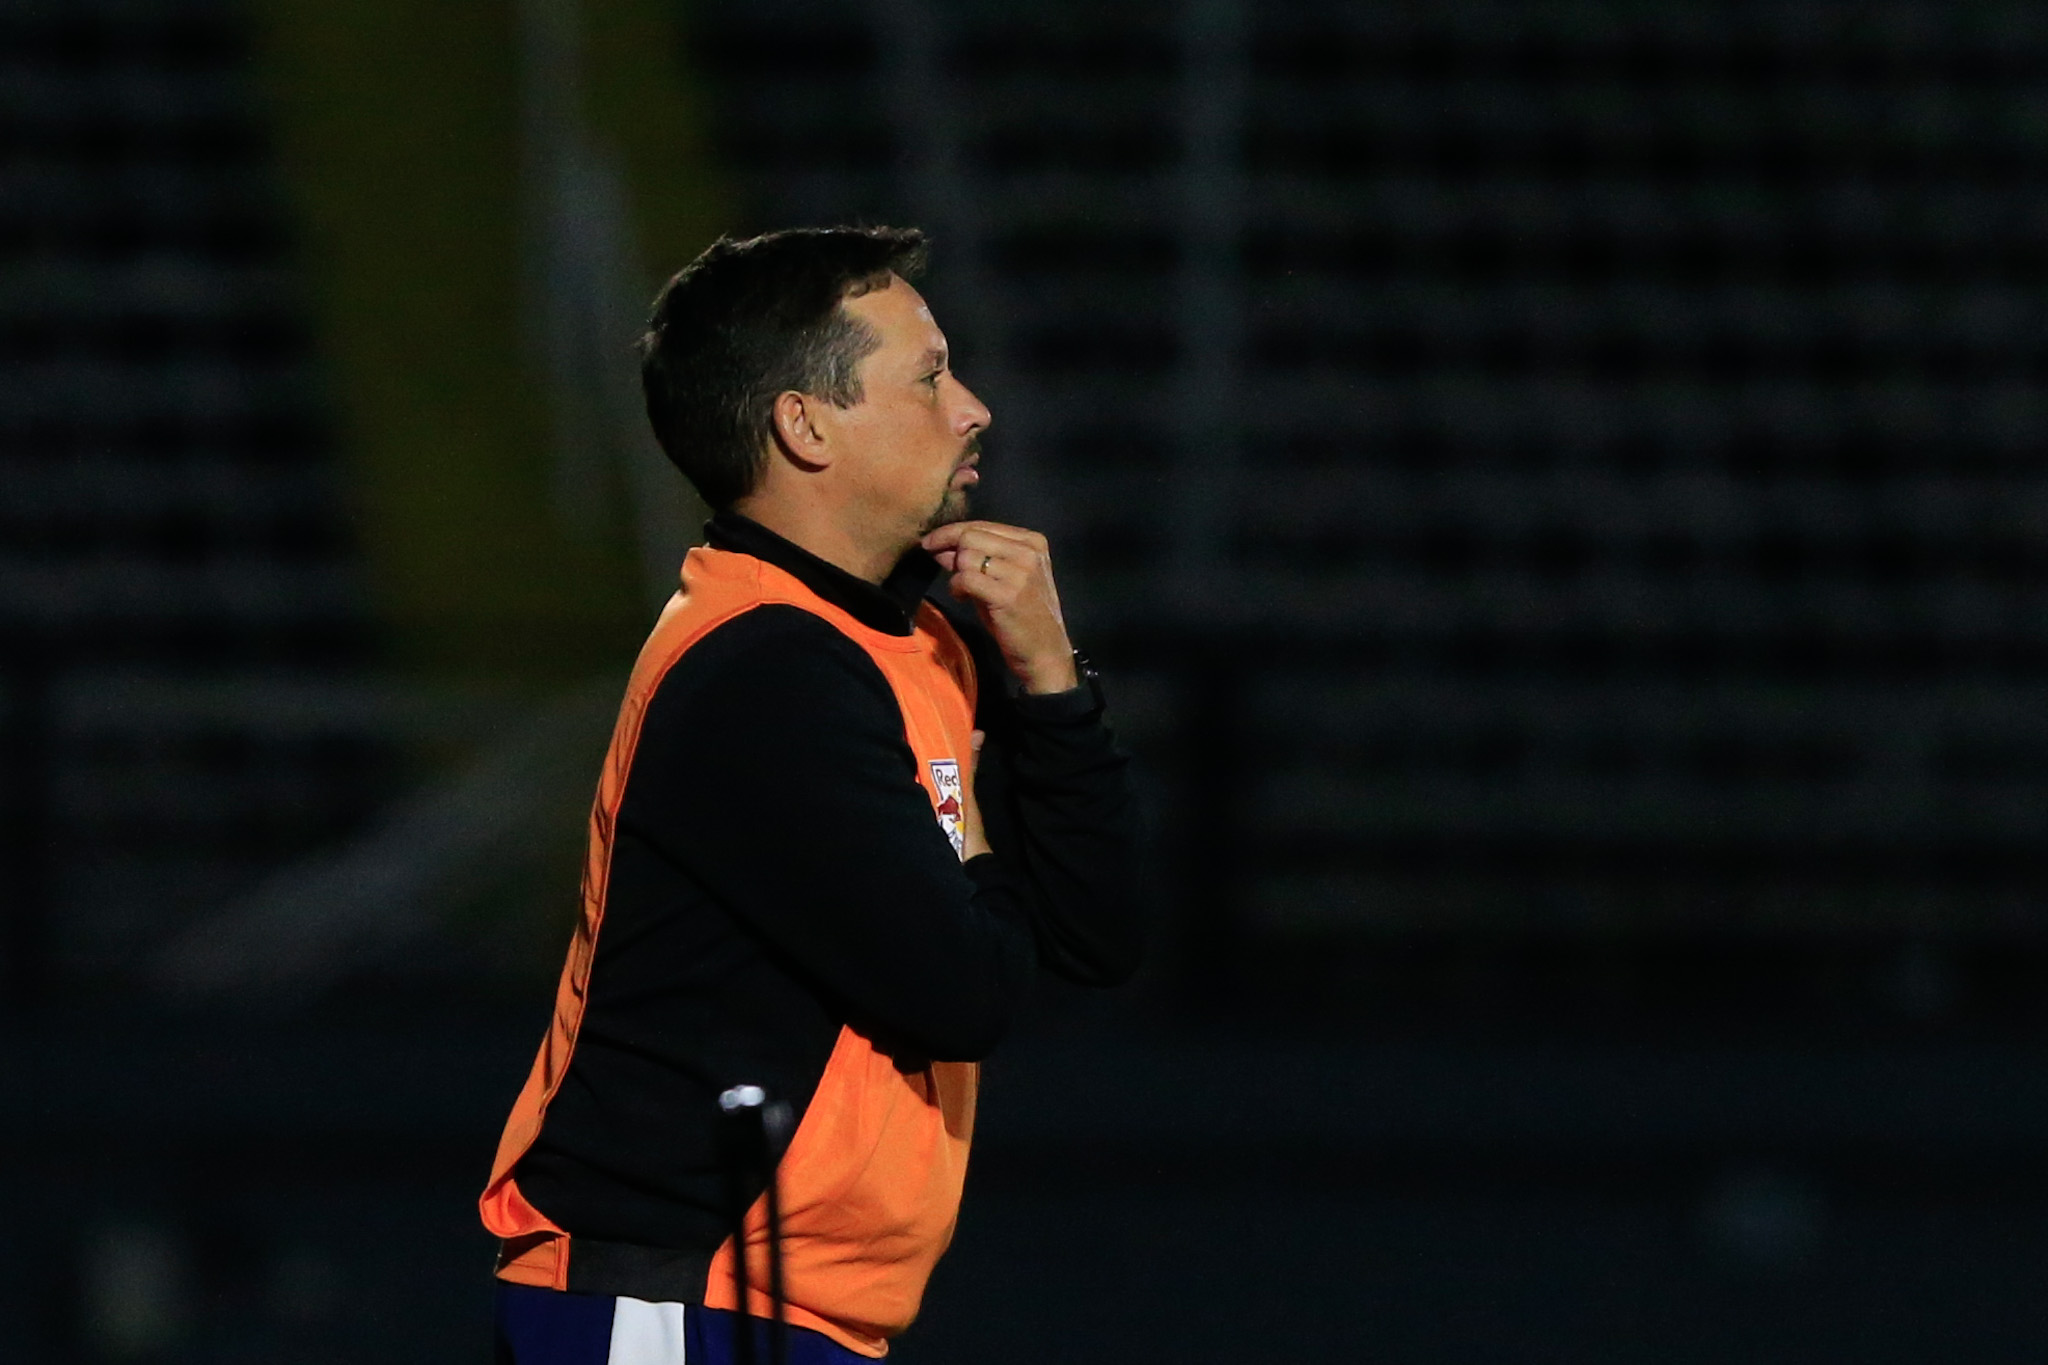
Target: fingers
[(950, 544), (1001, 568), (950, 536), (945, 537), (985, 550), (996, 587), (1006, 572), (992, 575), (981, 530)]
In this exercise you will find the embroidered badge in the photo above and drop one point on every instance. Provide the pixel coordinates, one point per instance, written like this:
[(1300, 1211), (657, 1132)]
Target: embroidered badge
[(946, 782)]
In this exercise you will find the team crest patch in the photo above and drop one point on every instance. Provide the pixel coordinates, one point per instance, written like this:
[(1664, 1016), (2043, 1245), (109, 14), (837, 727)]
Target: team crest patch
[(946, 782)]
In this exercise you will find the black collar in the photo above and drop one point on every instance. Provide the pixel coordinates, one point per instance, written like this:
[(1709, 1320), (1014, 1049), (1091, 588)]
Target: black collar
[(890, 608)]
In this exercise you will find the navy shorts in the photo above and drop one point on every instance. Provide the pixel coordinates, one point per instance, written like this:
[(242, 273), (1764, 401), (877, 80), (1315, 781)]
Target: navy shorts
[(546, 1327)]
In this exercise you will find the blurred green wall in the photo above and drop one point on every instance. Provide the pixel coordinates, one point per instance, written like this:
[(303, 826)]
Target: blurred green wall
[(399, 128)]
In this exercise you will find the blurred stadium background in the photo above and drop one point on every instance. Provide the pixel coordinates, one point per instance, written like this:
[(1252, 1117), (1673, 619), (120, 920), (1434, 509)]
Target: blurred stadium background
[(1558, 491)]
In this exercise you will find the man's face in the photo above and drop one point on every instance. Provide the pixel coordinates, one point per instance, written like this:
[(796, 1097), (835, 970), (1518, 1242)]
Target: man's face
[(914, 438)]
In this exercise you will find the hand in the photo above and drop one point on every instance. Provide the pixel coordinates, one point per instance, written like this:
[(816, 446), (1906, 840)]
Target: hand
[(1006, 572), (973, 841)]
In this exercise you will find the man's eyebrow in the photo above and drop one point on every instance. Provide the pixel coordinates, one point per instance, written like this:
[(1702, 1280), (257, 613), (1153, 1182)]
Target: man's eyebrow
[(935, 358)]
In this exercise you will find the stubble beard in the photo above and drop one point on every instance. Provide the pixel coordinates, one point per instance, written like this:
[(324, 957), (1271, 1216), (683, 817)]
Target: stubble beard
[(953, 503), (952, 507)]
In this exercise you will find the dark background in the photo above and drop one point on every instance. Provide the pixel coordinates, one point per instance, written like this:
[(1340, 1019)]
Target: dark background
[(1557, 492)]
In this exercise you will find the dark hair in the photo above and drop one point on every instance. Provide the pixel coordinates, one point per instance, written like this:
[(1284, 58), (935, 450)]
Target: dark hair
[(749, 320)]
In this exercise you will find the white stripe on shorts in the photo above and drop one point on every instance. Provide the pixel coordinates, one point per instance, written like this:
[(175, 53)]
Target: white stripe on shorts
[(646, 1333)]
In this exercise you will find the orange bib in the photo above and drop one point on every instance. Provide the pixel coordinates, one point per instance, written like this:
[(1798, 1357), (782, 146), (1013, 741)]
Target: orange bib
[(871, 1182)]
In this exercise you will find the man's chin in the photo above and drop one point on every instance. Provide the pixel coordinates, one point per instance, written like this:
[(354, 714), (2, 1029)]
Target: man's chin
[(952, 508)]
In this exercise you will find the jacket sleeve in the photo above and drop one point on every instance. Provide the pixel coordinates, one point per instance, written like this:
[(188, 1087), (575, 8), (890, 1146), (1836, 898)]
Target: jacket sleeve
[(773, 767), (1061, 812)]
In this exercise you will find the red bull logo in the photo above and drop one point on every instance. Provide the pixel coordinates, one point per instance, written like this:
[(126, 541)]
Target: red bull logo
[(947, 797)]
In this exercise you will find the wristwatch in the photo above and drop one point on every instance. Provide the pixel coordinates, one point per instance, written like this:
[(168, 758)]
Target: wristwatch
[(1083, 701), (1090, 676)]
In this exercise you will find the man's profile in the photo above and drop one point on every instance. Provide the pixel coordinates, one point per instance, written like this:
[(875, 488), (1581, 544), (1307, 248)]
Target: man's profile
[(840, 826)]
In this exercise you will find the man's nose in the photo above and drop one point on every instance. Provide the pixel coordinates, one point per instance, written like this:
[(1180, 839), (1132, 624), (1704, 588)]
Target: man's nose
[(971, 414)]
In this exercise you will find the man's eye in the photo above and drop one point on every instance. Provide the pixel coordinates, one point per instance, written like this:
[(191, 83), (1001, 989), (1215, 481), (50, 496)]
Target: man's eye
[(932, 378)]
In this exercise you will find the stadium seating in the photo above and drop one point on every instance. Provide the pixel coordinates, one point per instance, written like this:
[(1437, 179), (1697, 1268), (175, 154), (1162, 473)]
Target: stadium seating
[(185, 621), (1622, 508)]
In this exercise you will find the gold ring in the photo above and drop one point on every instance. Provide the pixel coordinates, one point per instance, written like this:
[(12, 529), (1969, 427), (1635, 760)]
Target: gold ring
[(984, 562)]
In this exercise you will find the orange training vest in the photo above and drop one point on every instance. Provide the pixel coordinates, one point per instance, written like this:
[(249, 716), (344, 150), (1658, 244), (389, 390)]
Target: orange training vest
[(871, 1181)]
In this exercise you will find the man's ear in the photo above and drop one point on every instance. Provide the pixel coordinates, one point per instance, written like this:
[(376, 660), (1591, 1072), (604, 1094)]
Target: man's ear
[(796, 430)]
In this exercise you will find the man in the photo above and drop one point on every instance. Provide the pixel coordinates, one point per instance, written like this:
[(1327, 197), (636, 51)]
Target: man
[(797, 879)]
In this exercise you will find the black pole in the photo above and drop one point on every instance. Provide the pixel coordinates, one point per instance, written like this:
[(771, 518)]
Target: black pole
[(750, 1162), (778, 1125)]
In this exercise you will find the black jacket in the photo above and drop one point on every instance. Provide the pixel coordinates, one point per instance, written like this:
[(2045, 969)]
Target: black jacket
[(726, 950)]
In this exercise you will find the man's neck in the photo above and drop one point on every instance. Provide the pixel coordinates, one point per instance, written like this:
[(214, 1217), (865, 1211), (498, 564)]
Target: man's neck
[(824, 537)]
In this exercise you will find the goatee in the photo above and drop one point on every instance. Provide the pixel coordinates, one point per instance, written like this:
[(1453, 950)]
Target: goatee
[(951, 508), (953, 504)]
